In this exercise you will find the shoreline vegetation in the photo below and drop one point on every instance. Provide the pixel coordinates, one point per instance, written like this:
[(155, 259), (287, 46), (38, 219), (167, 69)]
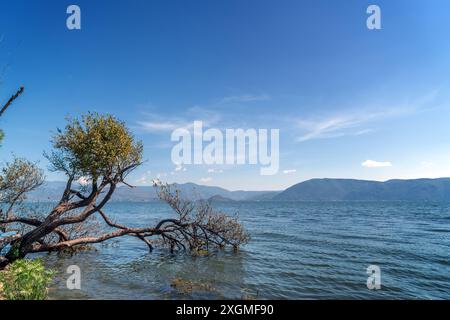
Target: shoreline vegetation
[(25, 280), (101, 151)]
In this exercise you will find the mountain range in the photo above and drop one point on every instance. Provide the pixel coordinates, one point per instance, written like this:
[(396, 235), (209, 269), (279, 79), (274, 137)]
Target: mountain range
[(310, 190), (358, 190), (52, 191)]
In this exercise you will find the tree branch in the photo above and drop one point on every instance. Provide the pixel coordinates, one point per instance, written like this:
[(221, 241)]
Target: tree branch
[(13, 97)]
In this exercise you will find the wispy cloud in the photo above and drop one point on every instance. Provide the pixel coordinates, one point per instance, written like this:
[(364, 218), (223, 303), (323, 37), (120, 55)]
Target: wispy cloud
[(180, 168), (244, 98), (376, 164), (158, 126), (215, 171), (353, 122), (324, 128), (289, 171), (157, 123), (142, 180), (337, 126), (205, 180), (427, 164), (145, 178)]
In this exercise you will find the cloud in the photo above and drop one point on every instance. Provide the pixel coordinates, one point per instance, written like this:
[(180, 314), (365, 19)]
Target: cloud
[(215, 171), (289, 171), (180, 168), (376, 164), (142, 180), (204, 180), (158, 126), (427, 164), (336, 126), (155, 123), (163, 125), (244, 98), (351, 122), (84, 181)]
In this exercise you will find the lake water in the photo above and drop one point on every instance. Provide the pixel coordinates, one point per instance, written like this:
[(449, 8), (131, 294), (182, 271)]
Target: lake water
[(298, 250)]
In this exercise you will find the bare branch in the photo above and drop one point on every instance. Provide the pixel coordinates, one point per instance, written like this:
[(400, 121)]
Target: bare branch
[(13, 97)]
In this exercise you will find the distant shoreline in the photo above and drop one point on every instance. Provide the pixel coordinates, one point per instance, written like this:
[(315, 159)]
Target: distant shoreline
[(431, 190)]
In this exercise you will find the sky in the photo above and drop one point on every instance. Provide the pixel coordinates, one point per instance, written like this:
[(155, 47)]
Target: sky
[(349, 102)]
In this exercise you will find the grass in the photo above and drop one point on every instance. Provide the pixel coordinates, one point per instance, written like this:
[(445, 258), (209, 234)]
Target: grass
[(25, 280)]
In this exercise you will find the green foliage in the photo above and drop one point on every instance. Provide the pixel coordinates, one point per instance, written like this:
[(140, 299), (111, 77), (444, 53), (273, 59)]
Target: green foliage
[(25, 280), (14, 252), (94, 146)]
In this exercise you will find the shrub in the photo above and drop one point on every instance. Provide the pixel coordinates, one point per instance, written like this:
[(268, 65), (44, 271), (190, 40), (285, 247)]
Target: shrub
[(25, 280)]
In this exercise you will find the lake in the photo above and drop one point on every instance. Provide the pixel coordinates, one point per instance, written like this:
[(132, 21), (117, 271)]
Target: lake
[(298, 250)]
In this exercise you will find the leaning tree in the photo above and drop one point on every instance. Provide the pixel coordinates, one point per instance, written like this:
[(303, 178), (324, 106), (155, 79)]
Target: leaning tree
[(100, 151)]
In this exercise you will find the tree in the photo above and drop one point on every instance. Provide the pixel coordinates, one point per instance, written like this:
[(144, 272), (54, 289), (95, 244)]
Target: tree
[(2, 177), (101, 150), (17, 179)]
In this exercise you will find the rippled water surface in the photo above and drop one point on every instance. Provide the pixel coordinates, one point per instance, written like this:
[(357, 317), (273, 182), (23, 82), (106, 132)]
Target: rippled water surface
[(299, 250)]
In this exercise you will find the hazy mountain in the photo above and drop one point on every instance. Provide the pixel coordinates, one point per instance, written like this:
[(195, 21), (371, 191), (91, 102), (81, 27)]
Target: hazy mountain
[(52, 191), (311, 190), (49, 191), (349, 189), (196, 192), (218, 198)]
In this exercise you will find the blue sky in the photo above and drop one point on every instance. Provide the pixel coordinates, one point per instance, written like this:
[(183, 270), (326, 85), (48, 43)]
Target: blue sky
[(339, 93)]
